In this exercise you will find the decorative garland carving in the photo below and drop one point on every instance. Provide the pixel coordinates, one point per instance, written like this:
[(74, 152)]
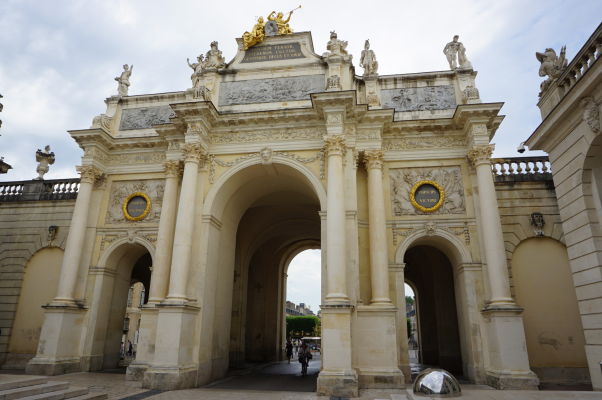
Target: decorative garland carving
[(591, 114), (120, 191), (412, 143), (266, 136), (420, 207), (140, 217), (430, 228)]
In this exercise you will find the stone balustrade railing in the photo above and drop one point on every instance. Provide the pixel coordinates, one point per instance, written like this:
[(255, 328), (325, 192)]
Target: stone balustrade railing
[(582, 61), (36, 190), (521, 169)]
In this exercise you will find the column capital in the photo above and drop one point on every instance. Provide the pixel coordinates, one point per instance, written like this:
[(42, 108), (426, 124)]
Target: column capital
[(480, 154), (194, 152), (173, 168), (334, 145), (89, 173), (374, 159)]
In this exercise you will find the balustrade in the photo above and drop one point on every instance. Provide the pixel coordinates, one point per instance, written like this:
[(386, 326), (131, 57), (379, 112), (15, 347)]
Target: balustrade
[(521, 169), (36, 190)]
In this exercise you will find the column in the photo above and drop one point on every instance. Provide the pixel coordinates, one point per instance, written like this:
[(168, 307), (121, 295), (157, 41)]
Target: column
[(497, 269), (507, 366), (162, 262), (397, 272), (182, 243), (75, 239), (336, 290), (379, 260)]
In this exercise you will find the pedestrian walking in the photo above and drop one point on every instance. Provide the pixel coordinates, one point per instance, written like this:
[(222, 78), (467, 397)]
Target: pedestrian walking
[(289, 350), (304, 357)]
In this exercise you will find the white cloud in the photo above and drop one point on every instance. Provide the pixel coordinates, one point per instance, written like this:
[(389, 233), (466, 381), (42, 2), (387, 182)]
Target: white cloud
[(304, 279)]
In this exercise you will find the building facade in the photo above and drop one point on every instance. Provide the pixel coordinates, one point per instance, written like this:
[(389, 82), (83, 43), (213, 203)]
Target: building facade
[(206, 195)]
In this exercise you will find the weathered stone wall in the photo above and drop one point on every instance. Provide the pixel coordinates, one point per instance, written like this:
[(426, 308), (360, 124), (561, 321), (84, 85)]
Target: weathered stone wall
[(24, 230)]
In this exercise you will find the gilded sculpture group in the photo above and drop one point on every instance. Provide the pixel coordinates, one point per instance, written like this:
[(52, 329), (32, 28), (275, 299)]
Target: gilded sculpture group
[(261, 28)]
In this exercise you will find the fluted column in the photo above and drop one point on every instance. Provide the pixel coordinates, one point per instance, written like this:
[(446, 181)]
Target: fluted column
[(165, 236), (379, 260), (335, 223), (77, 234), (497, 269), (182, 243)]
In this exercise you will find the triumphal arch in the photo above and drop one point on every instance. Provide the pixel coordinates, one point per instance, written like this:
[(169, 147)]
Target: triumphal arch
[(205, 195)]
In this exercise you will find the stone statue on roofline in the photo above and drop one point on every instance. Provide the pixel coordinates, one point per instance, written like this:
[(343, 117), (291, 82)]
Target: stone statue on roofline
[(123, 80), (214, 58), (456, 54), (45, 159), (551, 66), (336, 48), (368, 60)]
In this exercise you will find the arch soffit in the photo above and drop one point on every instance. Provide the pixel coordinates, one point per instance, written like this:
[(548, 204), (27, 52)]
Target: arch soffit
[(449, 244), (117, 250), (209, 206), (297, 248)]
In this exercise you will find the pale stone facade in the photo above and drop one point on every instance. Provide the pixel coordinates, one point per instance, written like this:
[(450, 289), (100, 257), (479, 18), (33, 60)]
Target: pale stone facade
[(570, 133), (284, 151)]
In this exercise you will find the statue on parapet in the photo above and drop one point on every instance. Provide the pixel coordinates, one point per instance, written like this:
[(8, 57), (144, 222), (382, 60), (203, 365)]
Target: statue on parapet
[(336, 47), (45, 159), (275, 25), (368, 60), (456, 50), (123, 80), (197, 67), (551, 66), (256, 35), (283, 28), (214, 58)]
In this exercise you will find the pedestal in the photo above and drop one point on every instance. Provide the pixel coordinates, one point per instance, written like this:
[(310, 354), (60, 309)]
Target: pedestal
[(174, 365), (509, 363), (376, 347), (337, 377), (145, 350), (58, 349)]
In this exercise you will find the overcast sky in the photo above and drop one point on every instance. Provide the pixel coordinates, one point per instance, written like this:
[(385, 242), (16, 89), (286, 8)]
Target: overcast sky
[(58, 59)]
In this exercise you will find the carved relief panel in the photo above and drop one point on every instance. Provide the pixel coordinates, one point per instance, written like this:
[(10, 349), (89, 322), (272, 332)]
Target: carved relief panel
[(120, 191), (449, 179)]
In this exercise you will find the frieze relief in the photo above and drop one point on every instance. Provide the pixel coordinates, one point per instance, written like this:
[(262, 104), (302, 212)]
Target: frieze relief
[(121, 190), (411, 143), (430, 228), (266, 136), (449, 178), (137, 158), (145, 117)]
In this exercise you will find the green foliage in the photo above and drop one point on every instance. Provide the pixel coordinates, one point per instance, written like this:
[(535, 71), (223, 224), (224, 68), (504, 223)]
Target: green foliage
[(299, 326), (409, 324), (409, 300)]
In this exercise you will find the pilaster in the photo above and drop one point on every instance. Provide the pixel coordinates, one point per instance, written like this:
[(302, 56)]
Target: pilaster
[(397, 277)]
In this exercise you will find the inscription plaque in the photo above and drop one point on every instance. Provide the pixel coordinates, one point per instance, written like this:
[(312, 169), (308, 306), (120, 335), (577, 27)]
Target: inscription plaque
[(427, 196), (285, 51), (136, 206)]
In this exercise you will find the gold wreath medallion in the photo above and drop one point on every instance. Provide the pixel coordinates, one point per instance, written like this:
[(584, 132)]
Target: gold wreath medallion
[(421, 207), (140, 217)]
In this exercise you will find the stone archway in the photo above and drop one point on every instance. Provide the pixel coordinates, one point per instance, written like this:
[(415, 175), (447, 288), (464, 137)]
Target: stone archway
[(256, 217)]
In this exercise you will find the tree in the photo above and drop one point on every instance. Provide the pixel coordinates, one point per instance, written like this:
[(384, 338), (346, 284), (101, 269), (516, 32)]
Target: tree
[(410, 300), (299, 326)]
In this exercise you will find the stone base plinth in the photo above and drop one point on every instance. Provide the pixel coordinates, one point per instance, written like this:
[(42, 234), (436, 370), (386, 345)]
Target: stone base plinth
[(512, 381), (169, 378), (135, 371), (59, 341), (381, 379), (52, 367), (91, 363), (337, 385)]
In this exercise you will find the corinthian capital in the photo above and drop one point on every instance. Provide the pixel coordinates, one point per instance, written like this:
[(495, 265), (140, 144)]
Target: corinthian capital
[(480, 154), (89, 173), (193, 152), (334, 145), (173, 168), (374, 159)]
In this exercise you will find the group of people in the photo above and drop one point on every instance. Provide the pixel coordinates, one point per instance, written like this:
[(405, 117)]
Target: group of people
[(303, 354)]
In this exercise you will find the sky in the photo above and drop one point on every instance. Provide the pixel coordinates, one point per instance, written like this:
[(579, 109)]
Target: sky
[(59, 58)]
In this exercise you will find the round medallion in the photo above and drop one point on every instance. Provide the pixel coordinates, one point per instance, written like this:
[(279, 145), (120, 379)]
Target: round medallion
[(427, 196), (136, 206)]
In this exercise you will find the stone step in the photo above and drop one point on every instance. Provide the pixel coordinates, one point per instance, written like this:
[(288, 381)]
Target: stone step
[(91, 396), (59, 394), (26, 381), (25, 391)]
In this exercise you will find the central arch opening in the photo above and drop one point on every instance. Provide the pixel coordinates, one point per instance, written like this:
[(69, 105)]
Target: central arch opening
[(270, 214)]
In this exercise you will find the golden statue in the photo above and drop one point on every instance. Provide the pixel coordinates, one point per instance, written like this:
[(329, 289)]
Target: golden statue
[(283, 28), (258, 33)]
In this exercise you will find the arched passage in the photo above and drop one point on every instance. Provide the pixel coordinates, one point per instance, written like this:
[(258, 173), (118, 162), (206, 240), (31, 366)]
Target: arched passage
[(124, 263), (262, 214)]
